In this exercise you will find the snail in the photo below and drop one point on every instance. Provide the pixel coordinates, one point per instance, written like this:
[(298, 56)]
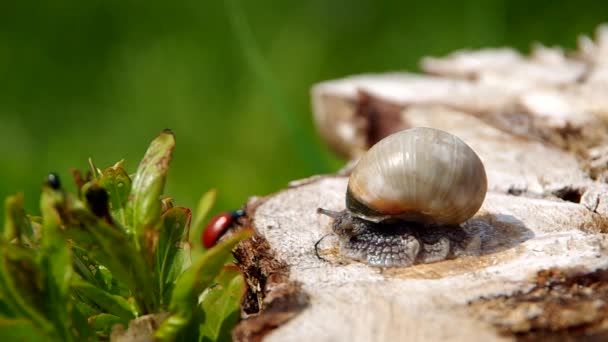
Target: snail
[(218, 225), (407, 198)]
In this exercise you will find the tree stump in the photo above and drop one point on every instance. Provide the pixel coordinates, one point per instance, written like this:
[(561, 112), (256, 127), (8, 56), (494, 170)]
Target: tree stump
[(538, 123)]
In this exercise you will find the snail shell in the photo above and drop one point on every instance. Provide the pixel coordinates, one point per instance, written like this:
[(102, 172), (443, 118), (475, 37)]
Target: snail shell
[(420, 174)]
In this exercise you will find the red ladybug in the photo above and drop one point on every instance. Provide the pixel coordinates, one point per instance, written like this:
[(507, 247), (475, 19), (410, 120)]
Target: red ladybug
[(218, 225)]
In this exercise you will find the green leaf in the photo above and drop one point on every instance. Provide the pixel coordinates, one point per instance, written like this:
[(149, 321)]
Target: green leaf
[(35, 286), (103, 323), (202, 210), (21, 286), (111, 304), (35, 223), (56, 264), (95, 171), (80, 326), (16, 223), (191, 283), (111, 247), (20, 330), (89, 269), (5, 310), (172, 253), (116, 181), (148, 184), (84, 306), (221, 305)]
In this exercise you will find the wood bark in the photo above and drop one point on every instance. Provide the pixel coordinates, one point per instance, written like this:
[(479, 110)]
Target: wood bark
[(539, 125)]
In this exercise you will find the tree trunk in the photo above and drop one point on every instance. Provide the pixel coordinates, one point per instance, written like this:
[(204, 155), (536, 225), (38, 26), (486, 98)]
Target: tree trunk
[(539, 125)]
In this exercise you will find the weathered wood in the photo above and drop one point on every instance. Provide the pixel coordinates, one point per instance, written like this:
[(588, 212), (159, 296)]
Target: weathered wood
[(353, 302), (538, 123), (551, 96)]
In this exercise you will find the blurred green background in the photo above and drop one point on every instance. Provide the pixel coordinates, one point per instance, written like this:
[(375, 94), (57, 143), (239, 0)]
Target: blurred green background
[(100, 79)]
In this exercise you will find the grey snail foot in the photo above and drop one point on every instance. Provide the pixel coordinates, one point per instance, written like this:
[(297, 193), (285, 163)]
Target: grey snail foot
[(404, 244)]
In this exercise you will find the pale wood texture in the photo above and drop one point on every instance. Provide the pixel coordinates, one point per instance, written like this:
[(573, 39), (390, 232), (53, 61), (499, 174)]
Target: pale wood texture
[(549, 96), (350, 301), (539, 125)]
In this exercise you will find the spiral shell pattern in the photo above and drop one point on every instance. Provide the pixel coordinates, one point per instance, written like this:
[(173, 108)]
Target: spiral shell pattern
[(419, 174)]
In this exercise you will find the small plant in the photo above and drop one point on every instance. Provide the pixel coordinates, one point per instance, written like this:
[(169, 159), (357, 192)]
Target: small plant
[(112, 253)]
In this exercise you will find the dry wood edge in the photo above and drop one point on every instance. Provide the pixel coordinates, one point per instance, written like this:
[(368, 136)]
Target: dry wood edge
[(551, 95), (351, 121), (270, 299)]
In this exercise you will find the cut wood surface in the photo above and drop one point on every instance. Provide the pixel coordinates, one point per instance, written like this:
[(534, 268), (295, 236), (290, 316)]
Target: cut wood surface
[(543, 226), (350, 301)]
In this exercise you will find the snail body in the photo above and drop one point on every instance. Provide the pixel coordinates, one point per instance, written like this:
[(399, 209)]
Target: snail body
[(407, 197)]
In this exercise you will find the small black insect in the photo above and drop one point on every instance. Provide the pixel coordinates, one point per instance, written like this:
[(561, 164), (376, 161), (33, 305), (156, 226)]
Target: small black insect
[(53, 181)]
